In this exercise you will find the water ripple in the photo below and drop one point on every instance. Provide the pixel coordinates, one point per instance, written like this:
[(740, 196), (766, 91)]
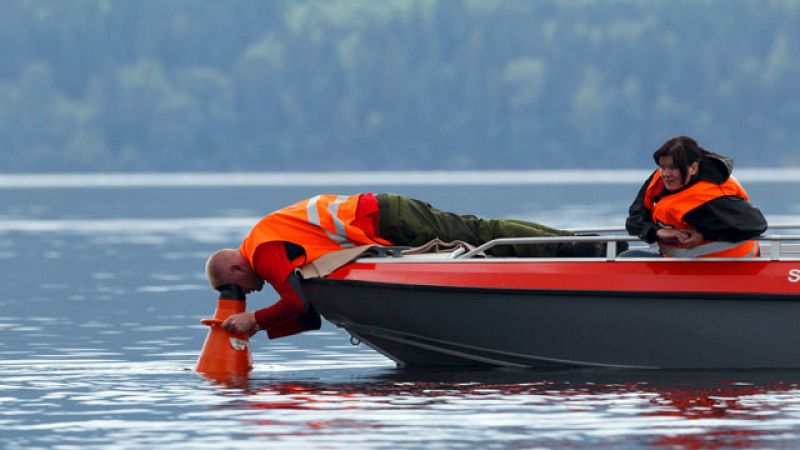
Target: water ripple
[(99, 335)]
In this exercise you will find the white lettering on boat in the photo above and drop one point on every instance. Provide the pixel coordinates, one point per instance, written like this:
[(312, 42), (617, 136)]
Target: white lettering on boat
[(794, 275)]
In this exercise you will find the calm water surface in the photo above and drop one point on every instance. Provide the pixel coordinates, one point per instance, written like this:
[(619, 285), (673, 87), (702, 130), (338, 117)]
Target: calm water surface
[(103, 291)]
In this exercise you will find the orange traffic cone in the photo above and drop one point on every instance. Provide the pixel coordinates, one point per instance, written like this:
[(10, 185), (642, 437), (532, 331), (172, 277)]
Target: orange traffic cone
[(225, 353)]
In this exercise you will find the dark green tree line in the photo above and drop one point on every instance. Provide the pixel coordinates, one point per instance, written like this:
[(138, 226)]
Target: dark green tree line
[(397, 84)]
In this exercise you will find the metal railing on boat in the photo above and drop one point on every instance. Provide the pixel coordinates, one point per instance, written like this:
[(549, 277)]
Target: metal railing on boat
[(775, 248)]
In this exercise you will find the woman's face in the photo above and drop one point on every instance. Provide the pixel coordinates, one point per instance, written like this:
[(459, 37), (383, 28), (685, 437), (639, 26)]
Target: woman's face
[(672, 174)]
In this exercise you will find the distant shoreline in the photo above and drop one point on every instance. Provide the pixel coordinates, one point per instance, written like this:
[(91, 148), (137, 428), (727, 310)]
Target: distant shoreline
[(360, 178)]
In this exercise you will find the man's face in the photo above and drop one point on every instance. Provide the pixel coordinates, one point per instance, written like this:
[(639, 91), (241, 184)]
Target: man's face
[(247, 279)]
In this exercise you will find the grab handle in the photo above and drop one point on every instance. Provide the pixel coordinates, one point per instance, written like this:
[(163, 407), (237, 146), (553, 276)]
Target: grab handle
[(212, 322)]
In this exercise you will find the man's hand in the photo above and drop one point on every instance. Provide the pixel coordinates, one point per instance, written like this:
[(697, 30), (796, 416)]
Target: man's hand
[(242, 323)]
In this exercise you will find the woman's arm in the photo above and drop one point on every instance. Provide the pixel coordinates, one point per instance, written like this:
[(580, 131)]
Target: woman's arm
[(729, 218), (640, 219)]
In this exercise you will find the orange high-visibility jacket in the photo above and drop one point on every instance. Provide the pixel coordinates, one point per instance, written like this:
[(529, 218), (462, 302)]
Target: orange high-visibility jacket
[(320, 225), (669, 211)]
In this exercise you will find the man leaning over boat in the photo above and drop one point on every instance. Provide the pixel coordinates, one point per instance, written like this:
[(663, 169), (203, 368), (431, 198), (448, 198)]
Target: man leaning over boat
[(692, 206), (298, 234)]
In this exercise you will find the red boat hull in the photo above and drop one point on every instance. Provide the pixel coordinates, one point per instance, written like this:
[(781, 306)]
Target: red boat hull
[(680, 276), (636, 314)]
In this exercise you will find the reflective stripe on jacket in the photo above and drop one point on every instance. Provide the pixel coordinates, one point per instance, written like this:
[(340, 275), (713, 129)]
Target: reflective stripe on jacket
[(320, 225), (670, 210)]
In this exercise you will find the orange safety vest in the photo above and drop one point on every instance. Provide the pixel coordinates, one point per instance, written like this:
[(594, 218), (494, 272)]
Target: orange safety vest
[(670, 210), (320, 225)]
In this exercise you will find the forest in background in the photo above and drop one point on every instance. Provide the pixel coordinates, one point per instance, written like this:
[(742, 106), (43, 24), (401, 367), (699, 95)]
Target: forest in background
[(208, 85)]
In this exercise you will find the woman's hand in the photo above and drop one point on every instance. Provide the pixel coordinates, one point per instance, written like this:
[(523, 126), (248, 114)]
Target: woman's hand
[(687, 238), (690, 238), (668, 235)]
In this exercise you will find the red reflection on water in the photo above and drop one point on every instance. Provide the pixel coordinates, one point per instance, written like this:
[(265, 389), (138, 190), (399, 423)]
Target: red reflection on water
[(721, 402), (712, 440), (704, 399), (340, 423)]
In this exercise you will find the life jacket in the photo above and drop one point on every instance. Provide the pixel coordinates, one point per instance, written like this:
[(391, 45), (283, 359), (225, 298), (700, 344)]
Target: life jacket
[(320, 225), (670, 210)]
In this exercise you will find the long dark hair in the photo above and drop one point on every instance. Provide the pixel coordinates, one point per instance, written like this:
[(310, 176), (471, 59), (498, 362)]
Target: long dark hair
[(683, 150)]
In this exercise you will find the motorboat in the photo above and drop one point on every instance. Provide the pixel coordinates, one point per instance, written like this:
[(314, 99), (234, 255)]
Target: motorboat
[(460, 308)]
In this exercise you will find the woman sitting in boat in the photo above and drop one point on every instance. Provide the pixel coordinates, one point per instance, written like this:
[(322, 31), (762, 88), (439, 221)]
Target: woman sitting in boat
[(693, 207), (301, 233)]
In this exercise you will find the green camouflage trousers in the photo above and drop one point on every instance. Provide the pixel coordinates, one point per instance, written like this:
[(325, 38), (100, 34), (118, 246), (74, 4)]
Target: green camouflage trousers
[(406, 221)]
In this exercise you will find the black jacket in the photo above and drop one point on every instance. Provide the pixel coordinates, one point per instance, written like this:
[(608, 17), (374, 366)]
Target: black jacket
[(727, 218)]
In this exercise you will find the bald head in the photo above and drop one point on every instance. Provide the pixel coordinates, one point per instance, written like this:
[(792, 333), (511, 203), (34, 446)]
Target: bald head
[(228, 266)]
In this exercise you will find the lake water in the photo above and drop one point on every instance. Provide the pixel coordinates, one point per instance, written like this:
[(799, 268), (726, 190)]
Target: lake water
[(103, 289)]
